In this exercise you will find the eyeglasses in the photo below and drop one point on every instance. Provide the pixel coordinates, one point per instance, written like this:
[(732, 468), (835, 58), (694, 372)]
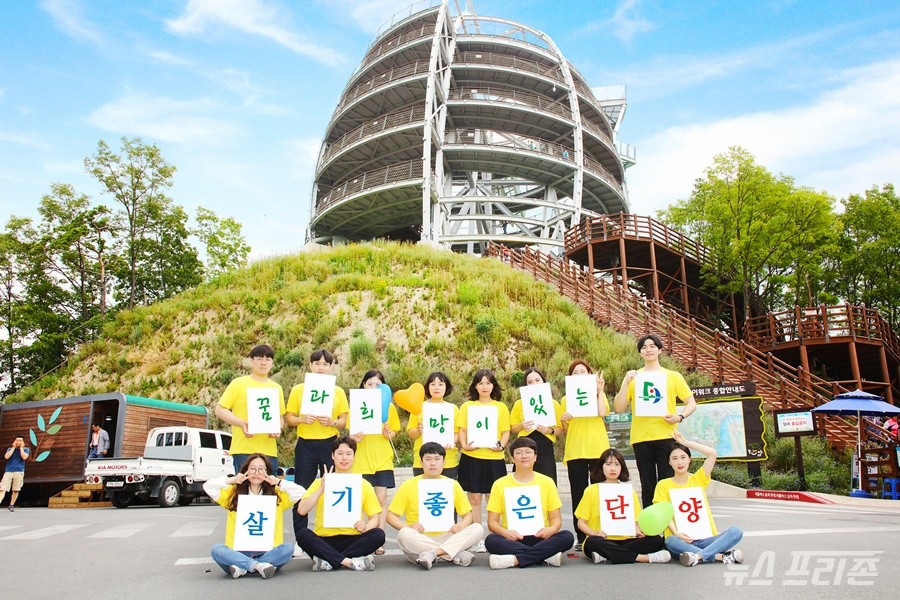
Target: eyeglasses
[(256, 470)]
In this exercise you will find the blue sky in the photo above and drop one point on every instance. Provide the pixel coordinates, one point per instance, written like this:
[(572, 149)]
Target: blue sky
[(237, 93)]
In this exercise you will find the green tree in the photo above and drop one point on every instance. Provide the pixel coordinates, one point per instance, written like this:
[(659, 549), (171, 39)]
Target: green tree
[(864, 265), (226, 248), (11, 297), (762, 231), (158, 260)]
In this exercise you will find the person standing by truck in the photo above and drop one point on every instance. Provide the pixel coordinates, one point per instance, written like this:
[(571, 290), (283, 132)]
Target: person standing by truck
[(14, 475), (99, 441), (233, 409)]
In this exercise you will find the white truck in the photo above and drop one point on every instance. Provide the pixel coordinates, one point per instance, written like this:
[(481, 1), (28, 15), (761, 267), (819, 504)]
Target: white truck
[(176, 462)]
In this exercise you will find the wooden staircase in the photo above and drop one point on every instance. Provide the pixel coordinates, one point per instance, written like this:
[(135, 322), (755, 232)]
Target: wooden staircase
[(80, 495), (701, 348)]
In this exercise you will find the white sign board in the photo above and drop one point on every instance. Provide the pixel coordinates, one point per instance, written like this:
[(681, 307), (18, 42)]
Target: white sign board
[(437, 423), (581, 396), (254, 524), (343, 499), (524, 509), (365, 411), (263, 410), (617, 509), (650, 395), (436, 504), (691, 516), (482, 427), (318, 395), (537, 404)]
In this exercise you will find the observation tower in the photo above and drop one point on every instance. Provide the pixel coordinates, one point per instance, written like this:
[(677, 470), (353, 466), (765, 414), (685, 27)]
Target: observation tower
[(458, 130)]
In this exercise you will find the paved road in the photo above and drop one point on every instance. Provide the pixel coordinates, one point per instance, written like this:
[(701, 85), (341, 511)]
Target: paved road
[(149, 552)]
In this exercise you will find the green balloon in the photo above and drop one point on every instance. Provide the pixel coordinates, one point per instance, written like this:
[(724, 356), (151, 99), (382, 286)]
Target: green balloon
[(654, 519)]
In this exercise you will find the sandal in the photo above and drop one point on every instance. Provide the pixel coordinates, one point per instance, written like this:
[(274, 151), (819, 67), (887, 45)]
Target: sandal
[(380, 551)]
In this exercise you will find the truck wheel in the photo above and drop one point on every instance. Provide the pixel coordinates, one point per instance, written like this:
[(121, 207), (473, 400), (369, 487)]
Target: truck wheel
[(169, 492), (122, 499)]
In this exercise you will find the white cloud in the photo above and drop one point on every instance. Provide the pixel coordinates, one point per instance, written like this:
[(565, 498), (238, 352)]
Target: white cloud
[(249, 16), (24, 139), (163, 118), (843, 142), (67, 16), (625, 23), (303, 154), (169, 58)]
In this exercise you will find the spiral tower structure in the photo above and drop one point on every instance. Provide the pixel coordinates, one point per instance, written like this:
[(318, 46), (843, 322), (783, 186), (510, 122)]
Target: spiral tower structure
[(459, 129)]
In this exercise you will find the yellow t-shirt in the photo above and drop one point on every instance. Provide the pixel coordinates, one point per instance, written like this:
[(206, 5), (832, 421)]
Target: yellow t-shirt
[(647, 429), (699, 479), (370, 506), (315, 430), (452, 458), (375, 453), (549, 495), (585, 436), (284, 503), (502, 425), (517, 417), (234, 398), (589, 509), (406, 502)]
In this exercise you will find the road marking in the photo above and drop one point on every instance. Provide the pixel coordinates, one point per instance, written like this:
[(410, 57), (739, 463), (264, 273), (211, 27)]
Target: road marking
[(819, 531), (4, 527), (196, 529), (121, 531), (37, 534)]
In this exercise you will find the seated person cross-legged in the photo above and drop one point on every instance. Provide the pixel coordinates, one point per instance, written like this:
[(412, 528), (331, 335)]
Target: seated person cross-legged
[(524, 515)]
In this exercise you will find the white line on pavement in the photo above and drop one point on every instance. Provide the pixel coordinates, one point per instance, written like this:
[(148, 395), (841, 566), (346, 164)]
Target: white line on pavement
[(37, 534)]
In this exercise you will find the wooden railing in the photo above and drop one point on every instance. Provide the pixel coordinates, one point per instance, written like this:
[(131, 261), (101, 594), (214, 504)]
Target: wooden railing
[(701, 348), (636, 227), (821, 323)]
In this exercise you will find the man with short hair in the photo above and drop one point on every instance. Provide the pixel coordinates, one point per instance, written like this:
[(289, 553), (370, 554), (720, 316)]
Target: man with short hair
[(508, 547), (427, 547), (334, 547), (233, 409), (14, 475), (99, 445)]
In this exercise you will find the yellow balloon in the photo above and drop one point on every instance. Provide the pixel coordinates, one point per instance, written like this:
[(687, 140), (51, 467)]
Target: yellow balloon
[(411, 398)]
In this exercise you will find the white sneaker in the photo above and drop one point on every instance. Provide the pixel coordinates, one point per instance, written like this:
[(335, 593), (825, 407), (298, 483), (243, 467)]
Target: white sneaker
[(320, 564), (596, 557), (463, 558), (479, 547), (730, 557), (237, 571), (555, 560), (689, 559), (660, 556), (426, 559), (502, 561), (265, 569), (363, 563), (298, 551)]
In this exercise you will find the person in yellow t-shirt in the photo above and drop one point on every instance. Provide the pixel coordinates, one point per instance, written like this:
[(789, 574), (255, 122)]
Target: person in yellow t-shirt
[(651, 436), (508, 547), (437, 387), (232, 409), (254, 478), (720, 547), (315, 435), (422, 547), (375, 452), (599, 547), (586, 439), (480, 467), (542, 435), (335, 547)]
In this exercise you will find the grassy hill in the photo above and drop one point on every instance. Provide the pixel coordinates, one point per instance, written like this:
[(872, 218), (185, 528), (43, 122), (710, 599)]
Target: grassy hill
[(407, 310)]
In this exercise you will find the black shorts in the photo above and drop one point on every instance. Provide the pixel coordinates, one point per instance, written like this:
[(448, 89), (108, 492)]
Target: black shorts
[(477, 475), (383, 479)]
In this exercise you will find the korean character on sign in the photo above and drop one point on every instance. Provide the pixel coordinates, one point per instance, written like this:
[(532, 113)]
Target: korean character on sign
[(264, 404), (482, 424), (318, 396), (691, 507), (616, 506), (347, 493), (581, 396), (438, 423), (436, 503), (367, 413), (254, 523), (537, 403), (523, 506)]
